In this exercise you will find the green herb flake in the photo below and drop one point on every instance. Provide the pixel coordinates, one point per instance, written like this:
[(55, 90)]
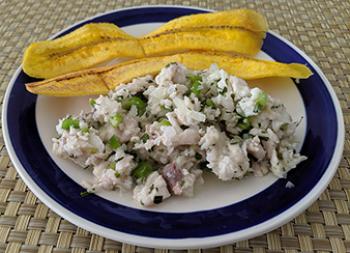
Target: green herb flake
[(114, 142), (194, 78), (85, 194), (119, 98), (163, 108), (165, 122), (116, 119), (223, 91), (134, 101), (196, 88), (210, 103), (69, 122), (195, 84), (119, 159), (142, 170), (144, 137), (151, 189), (117, 174), (112, 165), (245, 124), (284, 126), (261, 101), (92, 102)]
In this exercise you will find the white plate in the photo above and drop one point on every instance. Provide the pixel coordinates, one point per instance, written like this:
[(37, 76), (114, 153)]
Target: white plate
[(219, 212)]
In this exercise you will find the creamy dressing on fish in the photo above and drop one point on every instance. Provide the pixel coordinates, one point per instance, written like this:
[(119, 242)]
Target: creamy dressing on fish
[(156, 136)]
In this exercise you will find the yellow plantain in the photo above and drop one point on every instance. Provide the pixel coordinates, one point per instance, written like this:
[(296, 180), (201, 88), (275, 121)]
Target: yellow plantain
[(48, 59), (82, 48), (67, 85), (100, 80), (234, 40), (87, 34), (243, 18), (92, 44)]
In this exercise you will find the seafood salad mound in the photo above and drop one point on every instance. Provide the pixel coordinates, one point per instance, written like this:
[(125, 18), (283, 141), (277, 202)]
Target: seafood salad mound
[(156, 135)]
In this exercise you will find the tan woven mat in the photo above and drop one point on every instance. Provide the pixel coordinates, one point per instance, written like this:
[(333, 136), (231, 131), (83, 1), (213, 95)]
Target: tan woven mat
[(320, 28)]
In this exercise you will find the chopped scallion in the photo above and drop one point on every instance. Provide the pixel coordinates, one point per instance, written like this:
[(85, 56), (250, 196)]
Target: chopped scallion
[(196, 84), (114, 142), (142, 170), (137, 102), (244, 124), (116, 119), (92, 102), (165, 122), (69, 122), (261, 101), (210, 103)]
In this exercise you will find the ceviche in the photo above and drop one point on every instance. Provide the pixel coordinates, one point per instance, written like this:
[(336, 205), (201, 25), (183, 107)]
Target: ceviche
[(156, 135)]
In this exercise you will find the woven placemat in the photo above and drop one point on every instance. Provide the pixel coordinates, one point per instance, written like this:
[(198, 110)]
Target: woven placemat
[(320, 28)]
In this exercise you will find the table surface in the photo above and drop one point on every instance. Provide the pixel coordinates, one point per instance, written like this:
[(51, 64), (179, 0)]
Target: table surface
[(320, 28)]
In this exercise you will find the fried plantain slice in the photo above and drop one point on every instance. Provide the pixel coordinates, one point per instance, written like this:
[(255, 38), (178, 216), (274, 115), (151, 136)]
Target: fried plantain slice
[(234, 40), (83, 48), (244, 67), (86, 83), (237, 31), (243, 18), (100, 80), (87, 34), (90, 46)]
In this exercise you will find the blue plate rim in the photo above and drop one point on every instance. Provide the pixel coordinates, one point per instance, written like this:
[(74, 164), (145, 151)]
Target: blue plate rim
[(190, 242)]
